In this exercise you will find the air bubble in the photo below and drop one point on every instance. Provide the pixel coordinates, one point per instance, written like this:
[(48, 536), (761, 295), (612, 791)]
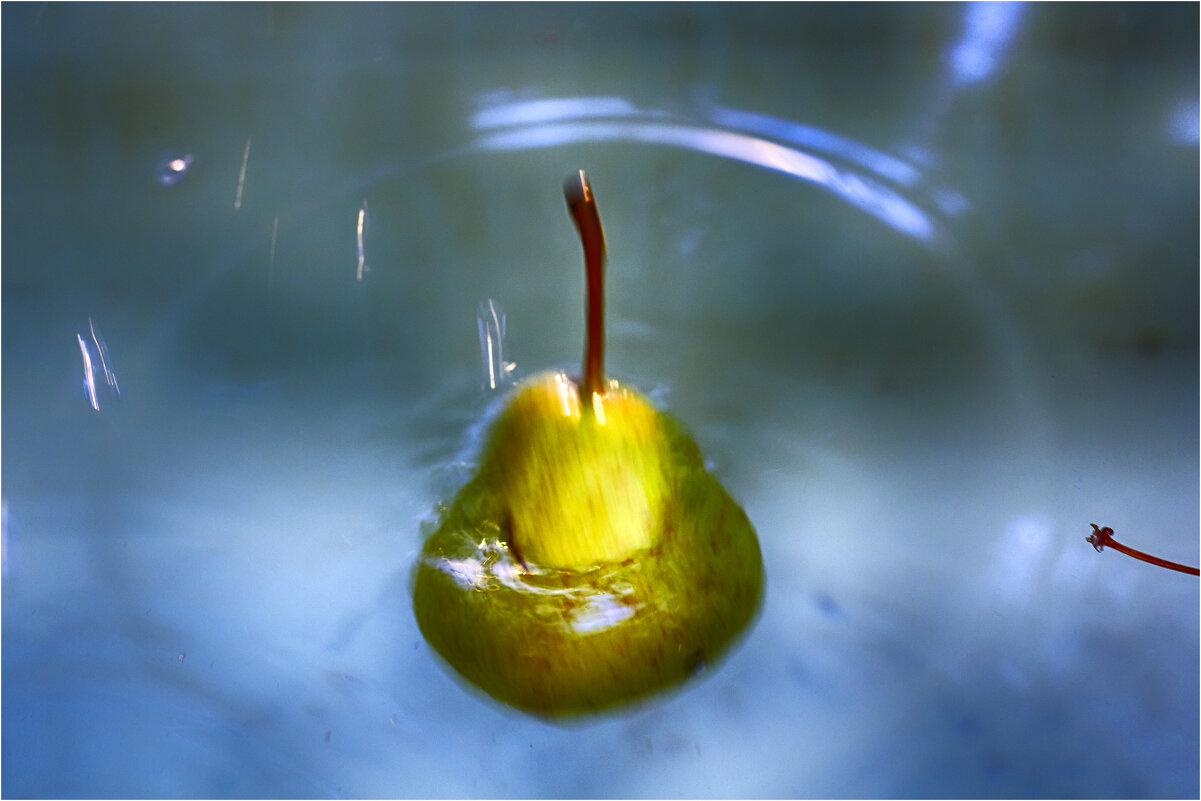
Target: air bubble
[(172, 168)]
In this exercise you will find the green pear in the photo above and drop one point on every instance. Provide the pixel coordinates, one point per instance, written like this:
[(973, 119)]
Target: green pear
[(592, 560)]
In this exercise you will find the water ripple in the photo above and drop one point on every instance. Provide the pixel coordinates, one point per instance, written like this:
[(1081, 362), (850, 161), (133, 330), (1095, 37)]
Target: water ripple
[(856, 173)]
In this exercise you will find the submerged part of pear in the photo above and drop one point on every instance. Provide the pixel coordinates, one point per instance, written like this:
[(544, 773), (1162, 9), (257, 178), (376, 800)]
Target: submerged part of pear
[(591, 561)]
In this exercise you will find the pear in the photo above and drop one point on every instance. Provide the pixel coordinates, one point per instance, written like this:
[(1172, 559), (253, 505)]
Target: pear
[(593, 560)]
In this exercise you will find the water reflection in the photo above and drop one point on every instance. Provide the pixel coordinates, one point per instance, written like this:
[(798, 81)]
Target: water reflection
[(171, 168), (1019, 558), (988, 29), (94, 352), (360, 231), (891, 167), (537, 112), (1184, 123), (242, 175), (743, 136), (491, 323)]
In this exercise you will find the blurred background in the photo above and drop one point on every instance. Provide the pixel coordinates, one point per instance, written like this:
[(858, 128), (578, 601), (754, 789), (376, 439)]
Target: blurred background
[(921, 279)]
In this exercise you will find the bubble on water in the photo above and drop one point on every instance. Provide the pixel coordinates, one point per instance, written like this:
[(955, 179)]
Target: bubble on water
[(172, 167)]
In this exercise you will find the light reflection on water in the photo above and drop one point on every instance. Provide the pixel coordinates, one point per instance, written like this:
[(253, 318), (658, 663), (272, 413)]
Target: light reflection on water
[(555, 122), (918, 447), (172, 168), (988, 29), (869, 196)]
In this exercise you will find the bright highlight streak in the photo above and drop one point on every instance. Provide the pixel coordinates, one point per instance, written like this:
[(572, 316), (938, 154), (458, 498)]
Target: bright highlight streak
[(492, 566), (598, 613), (882, 164), (110, 377), (569, 398), (242, 175), (491, 372), (362, 226), (867, 194), (491, 323), (89, 376), (90, 368), (535, 112)]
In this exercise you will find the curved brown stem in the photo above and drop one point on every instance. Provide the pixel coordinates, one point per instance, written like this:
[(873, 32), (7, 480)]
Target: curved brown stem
[(582, 206), (1103, 538)]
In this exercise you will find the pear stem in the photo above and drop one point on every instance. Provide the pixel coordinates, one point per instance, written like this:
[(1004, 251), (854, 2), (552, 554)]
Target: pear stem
[(582, 205)]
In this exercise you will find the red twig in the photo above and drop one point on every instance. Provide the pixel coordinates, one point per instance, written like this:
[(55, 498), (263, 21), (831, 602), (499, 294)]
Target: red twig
[(1103, 538)]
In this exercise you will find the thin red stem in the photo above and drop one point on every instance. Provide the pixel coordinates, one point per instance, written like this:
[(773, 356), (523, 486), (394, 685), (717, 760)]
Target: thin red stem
[(582, 206), (1103, 538)]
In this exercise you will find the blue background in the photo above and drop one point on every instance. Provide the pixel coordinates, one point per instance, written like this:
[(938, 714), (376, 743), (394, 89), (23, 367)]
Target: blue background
[(922, 280)]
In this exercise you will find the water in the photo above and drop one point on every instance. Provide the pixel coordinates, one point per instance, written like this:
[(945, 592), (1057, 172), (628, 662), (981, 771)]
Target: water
[(921, 281)]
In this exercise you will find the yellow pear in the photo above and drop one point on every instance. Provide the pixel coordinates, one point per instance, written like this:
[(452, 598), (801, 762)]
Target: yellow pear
[(592, 560)]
